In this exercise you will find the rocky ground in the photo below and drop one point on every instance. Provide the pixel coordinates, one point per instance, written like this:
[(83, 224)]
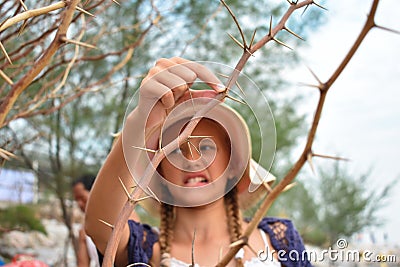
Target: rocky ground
[(54, 248)]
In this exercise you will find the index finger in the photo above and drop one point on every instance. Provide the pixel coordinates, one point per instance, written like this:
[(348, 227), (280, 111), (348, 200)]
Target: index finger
[(203, 73)]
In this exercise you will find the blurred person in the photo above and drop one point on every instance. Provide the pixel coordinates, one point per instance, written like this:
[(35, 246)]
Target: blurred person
[(87, 253)]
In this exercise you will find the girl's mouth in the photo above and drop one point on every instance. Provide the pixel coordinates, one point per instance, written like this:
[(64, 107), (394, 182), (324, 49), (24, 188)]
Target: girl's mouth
[(195, 181)]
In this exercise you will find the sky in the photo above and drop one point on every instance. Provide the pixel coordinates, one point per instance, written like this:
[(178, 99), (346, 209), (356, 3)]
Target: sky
[(361, 117)]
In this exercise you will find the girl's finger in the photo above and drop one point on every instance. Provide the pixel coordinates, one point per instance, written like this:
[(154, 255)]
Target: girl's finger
[(197, 93), (203, 73), (172, 81), (153, 91)]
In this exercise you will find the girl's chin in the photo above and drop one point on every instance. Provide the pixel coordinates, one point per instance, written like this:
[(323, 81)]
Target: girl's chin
[(193, 185), (193, 196)]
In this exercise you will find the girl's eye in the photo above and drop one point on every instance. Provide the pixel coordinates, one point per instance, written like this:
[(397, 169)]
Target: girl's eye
[(176, 151), (207, 147)]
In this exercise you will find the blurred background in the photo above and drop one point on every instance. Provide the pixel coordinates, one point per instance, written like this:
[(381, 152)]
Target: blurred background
[(61, 125)]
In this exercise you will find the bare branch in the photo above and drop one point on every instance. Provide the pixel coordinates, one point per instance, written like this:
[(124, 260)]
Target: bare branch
[(31, 13), (237, 24), (22, 84), (317, 115)]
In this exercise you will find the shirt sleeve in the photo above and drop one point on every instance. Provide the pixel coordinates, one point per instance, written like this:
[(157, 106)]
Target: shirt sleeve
[(286, 242), (140, 245), (141, 240)]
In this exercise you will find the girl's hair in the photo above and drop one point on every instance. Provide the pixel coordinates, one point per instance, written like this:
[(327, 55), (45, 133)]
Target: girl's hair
[(234, 219), (166, 225), (168, 219)]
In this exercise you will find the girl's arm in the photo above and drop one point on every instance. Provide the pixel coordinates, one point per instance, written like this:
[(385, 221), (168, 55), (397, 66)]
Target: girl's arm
[(166, 84)]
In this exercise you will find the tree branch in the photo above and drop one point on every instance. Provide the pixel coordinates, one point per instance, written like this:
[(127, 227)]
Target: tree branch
[(22, 84)]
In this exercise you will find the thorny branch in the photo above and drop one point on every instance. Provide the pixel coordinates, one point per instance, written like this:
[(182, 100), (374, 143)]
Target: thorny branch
[(22, 84), (248, 50), (160, 154), (32, 63), (323, 88)]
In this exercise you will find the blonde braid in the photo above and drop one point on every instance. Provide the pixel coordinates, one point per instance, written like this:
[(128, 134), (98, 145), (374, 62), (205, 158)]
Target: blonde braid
[(234, 219), (166, 226)]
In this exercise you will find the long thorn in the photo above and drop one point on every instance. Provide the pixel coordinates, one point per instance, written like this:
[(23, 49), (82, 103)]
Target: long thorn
[(253, 37), (7, 154), (220, 254), (84, 11), (194, 147), (387, 29), (64, 39), (192, 100), (288, 187), (237, 243), (160, 142), (134, 201), (115, 134), (190, 150), (266, 185), (116, 2), (199, 136), (6, 78), (330, 157), (310, 85), (270, 27), (281, 43), (106, 223), (223, 75), (240, 88), (304, 10), (194, 237), (314, 75), (293, 33), (23, 5), (318, 5), (235, 99), (236, 41), (145, 149), (5, 53), (22, 28), (309, 160), (154, 195), (125, 189)]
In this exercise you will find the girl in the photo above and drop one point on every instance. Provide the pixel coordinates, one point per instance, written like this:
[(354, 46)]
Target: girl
[(203, 184)]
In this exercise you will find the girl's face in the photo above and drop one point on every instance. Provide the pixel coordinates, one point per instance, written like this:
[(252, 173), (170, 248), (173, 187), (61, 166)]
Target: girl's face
[(200, 161)]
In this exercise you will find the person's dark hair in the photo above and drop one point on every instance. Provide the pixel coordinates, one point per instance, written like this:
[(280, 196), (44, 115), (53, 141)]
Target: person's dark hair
[(87, 180)]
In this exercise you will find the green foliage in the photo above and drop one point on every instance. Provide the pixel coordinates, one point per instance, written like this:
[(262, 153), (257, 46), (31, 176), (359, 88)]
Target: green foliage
[(338, 204), (347, 204), (21, 217)]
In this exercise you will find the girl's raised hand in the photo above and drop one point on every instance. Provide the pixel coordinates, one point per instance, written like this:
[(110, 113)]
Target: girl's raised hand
[(168, 83)]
